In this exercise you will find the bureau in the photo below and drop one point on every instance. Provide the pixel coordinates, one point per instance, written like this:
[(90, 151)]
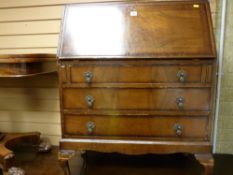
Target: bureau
[(136, 78)]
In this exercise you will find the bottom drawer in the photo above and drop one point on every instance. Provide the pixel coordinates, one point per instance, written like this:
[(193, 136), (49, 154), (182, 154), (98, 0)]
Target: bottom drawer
[(135, 126)]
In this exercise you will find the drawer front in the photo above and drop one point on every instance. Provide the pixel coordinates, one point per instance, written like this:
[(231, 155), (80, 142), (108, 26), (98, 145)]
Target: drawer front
[(137, 73), (136, 99), (75, 125)]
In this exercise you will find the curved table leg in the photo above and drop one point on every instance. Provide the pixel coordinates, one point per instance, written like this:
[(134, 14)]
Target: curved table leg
[(207, 162), (9, 143)]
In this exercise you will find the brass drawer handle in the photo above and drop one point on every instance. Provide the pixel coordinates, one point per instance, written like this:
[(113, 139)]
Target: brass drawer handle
[(181, 76), (90, 127), (89, 101), (178, 129), (180, 102), (88, 77)]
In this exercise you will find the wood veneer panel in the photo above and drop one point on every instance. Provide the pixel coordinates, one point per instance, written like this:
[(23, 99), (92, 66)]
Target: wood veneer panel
[(136, 126), (136, 99), (125, 30)]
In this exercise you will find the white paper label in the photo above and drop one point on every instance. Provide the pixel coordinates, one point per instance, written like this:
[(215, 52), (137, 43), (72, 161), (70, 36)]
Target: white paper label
[(196, 5), (133, 13)]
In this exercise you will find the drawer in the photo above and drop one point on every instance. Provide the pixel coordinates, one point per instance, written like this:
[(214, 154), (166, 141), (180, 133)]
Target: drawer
[(138, 72), (136, 99), (76, 125)]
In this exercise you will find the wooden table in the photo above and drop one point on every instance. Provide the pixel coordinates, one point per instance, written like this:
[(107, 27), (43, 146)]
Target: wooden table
[(22, 65)]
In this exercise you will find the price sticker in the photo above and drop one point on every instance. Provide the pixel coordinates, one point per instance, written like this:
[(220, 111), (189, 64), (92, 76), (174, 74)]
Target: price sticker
[(133, 13)]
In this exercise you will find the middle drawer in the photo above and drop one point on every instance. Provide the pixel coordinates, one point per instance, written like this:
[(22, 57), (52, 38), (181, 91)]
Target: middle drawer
[(136, 98)]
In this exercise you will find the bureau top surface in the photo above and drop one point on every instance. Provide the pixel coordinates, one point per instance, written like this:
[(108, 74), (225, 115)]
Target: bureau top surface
[(149, 29)]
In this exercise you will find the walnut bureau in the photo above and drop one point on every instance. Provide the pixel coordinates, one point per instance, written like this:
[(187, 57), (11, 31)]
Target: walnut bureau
[(137, 77)]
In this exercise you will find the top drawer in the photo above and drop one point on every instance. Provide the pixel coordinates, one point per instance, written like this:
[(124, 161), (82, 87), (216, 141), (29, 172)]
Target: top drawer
[(139, 72)]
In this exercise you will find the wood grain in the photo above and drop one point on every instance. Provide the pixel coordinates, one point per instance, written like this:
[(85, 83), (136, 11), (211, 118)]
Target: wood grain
[(136, 99), (130, 97), (131, 126), (16, 14), (191, 37), (135, 148), (120, 72), (124, 90)]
